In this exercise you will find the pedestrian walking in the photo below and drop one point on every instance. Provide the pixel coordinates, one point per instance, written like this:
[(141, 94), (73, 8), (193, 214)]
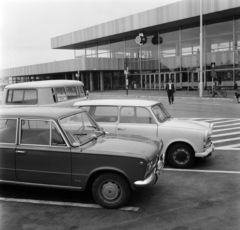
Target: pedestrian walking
[(170, 91)]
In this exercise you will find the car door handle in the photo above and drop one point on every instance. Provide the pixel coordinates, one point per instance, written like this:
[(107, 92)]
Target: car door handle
[(20, 152), (121, 128)]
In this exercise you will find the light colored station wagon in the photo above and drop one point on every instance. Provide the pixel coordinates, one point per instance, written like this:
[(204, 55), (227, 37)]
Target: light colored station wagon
[(44, 93), (183, 140)]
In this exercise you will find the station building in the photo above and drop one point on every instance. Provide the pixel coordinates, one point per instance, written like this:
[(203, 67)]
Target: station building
[(104, 52)]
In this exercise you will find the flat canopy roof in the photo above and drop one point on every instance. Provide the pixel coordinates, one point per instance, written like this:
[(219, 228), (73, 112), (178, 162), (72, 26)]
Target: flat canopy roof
[(165, 18)]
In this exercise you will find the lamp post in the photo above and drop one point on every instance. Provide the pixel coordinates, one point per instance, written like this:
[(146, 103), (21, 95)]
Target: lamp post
[(201, 54)]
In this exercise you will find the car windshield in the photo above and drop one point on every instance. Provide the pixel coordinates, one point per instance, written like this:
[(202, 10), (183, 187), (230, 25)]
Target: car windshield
[(160, 113), (80, 128)]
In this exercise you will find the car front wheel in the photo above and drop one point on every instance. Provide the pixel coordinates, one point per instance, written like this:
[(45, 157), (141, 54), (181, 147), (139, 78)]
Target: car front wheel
[(111, 190), (181, 156)]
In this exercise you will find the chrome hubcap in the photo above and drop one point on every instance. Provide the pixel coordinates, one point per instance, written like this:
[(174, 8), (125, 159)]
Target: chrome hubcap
[(181, 156), (110, 191)]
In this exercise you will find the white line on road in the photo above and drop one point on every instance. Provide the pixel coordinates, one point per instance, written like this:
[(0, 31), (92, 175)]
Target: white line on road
[(220, 130), (220, 122), (63, 203), (219, 126), (225, 134), (202, 171), (225, 140)]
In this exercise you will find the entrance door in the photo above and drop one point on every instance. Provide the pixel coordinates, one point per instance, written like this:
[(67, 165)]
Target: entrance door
[(195, 79)]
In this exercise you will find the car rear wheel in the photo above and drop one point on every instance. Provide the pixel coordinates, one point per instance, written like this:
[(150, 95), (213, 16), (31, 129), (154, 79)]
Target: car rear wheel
[(181, 156), (111, 190), (238, 98)]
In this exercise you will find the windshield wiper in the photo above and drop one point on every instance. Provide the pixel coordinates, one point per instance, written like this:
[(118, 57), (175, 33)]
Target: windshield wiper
[(80, 134)]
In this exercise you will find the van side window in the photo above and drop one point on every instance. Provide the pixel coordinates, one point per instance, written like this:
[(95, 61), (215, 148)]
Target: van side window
[(22, 96), (81, 90), (8, 130), (61, 94), (71, 92)]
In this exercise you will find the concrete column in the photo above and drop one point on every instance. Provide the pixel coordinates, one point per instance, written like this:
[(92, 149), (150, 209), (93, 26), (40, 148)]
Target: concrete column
[(81, 77), (101, 81), (73, 76), (91, 81)]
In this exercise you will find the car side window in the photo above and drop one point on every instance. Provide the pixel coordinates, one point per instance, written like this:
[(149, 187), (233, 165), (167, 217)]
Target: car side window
[(143, 116), (106, 114), (8, 130), (127, 115), (31, 132), (22, 96)]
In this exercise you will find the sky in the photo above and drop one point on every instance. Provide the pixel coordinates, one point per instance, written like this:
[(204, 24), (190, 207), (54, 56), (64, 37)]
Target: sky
[(27, 26)]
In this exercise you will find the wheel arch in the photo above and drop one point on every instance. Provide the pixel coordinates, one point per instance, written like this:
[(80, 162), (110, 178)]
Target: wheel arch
[(100, 171), (179, 142)]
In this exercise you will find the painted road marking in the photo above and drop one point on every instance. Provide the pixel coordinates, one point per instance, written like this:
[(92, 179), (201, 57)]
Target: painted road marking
[(134, 209), (226, 134), (219, 126), (220, 130), (202, 171), (225, 140)]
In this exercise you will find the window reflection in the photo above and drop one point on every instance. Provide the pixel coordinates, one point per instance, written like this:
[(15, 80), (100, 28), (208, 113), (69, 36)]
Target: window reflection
[(219, 28), (190, 33), (117, 49), (219, 43), (191, 47)]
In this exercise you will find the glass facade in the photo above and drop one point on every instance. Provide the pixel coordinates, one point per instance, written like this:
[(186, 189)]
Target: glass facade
[(177, 56)]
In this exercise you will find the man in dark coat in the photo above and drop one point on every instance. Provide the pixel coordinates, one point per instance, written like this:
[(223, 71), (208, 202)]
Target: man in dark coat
[(170, 91)]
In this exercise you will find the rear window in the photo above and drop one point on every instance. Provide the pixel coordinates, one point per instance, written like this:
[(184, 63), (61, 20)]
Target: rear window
[(22, 96), (68, 93)]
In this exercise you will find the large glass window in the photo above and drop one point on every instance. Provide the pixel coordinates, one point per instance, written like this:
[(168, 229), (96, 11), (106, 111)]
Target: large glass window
[(80, 52), (104, 50), (91, 51), (170, 37), (190, 33), (219, 43), (117, 49), (219, 28), (237, 50), (222, 60), (132, 49), (190, 47), (237, 25), (169, 49)]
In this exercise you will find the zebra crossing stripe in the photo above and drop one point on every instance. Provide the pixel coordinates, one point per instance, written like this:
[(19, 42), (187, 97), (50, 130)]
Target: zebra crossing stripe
[(219, 126), (226, 140), (225, 134), (220, 130)]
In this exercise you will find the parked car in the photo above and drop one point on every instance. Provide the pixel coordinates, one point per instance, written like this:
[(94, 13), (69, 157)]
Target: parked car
[(183, 140), (44, 93), (237, 95), (65, 148)]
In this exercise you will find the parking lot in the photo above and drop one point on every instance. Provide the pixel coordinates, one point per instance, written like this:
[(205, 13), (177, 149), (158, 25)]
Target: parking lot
[(203, 197)]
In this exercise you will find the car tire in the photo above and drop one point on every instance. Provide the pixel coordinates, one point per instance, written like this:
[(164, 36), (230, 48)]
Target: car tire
[(238, 98), (181, 156), (111, 190)]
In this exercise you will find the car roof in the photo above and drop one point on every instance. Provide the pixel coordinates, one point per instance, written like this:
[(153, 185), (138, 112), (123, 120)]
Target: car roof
[(118, 102), (44, 84), (38, 112)]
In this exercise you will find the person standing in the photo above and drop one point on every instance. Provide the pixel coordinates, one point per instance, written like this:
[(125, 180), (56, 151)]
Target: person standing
[(170, 91)]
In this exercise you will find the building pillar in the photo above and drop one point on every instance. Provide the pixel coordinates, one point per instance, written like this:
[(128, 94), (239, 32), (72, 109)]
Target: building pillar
[(101, 81), (81, 77), (91, 81), (73, 76), (65, 76)]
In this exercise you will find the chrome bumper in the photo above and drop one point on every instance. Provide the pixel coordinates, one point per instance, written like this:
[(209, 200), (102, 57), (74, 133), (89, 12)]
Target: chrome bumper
[(153, 177), (206, 153)]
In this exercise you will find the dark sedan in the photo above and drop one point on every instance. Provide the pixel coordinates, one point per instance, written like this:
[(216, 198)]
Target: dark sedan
[(65, 148)]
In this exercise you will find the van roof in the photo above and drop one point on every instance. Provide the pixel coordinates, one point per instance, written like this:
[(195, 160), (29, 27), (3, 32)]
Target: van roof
[(44, 84)]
